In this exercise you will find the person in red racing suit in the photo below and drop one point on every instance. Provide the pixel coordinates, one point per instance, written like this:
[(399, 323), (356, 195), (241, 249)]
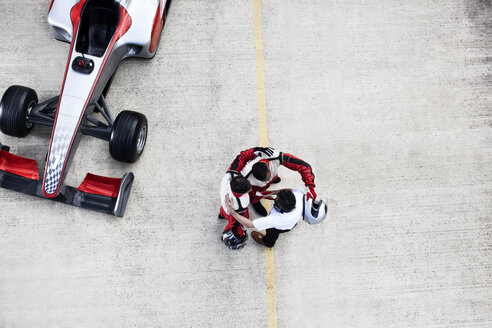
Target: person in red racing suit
[(260, 166), (237, 188)]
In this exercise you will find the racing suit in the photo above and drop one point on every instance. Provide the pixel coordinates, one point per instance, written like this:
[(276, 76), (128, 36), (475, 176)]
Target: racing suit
[(241, 203)]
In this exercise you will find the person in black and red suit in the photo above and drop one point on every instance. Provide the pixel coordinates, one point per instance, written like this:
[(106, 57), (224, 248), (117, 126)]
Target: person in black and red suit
[(236, 187), (260, 166)]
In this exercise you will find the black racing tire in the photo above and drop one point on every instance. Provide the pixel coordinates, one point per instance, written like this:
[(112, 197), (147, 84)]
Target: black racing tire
[(128, 136), (15, 107)]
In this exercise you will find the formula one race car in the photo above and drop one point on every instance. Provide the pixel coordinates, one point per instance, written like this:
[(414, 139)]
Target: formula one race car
[(102, 33)]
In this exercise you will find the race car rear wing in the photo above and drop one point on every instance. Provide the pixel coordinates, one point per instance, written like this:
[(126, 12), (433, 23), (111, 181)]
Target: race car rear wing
[(97, 193)]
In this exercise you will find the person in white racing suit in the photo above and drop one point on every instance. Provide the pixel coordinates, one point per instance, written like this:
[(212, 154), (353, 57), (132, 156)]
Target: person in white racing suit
[(287, 211)]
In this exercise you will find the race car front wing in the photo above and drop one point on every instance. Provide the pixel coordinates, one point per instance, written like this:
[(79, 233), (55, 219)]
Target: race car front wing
[(97, 193)]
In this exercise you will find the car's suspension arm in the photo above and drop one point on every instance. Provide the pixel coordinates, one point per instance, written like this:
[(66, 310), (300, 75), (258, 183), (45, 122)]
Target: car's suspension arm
[(42, 113), (99, 129)]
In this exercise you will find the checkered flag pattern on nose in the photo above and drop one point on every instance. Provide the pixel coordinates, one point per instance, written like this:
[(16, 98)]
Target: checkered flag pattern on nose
[(59, 151)]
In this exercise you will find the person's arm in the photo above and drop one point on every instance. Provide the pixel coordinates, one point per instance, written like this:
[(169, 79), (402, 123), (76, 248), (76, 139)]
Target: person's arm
[(268, 193), (247, 155), (241, 219), (304, 169)]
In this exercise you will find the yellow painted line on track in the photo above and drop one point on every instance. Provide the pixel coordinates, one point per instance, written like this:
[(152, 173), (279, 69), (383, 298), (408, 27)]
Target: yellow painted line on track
[(260, 79), (262, 119)]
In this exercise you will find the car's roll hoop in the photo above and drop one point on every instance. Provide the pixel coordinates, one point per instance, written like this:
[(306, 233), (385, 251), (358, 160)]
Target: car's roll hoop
[(97, 193)]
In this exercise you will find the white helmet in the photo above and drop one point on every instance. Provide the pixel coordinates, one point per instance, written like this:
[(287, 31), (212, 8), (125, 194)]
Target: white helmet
[(314, 211)]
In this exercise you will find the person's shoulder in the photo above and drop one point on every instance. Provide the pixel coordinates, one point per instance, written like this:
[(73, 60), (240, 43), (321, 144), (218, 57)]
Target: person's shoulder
[(244, 199), (225, 185), (298, 191)]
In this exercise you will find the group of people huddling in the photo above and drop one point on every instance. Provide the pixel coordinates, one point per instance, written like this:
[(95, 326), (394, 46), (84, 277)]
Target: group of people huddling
[(247, 182)]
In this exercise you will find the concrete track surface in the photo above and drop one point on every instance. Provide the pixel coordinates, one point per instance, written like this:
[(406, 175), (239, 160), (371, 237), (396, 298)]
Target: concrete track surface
[(389, 101)]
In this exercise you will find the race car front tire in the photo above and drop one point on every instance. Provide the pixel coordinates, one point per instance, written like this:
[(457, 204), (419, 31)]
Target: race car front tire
[(15, 107), (128, 136)]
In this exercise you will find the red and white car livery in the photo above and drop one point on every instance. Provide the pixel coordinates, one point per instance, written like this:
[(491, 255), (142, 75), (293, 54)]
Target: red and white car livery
[(102, 33)]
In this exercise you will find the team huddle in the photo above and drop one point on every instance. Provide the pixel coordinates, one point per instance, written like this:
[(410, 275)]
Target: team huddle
[(247, 182)]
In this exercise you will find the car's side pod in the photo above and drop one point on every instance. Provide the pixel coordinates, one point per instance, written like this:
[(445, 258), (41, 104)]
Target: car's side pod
[(97, 193)]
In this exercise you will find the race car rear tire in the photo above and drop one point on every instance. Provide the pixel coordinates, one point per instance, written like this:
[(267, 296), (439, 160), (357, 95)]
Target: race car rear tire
[(15, 107), (128, 136)]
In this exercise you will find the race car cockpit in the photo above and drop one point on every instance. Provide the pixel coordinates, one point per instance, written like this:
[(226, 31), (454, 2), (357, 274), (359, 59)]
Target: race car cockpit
[(98, 25)]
